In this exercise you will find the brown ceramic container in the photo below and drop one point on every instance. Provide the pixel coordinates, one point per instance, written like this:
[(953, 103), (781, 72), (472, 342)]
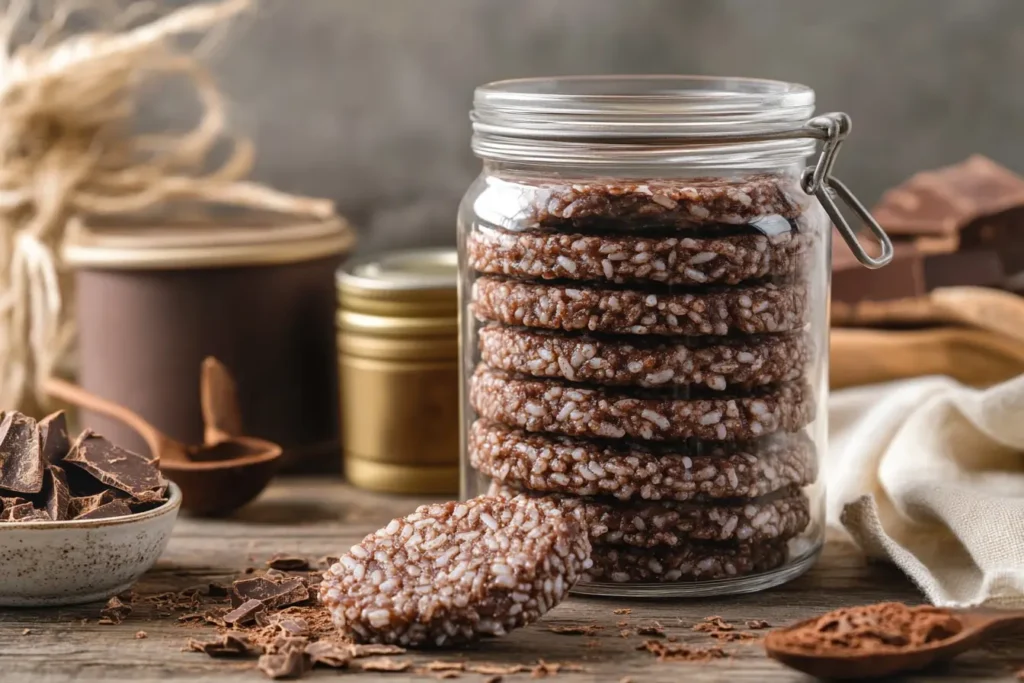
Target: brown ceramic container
[(156, 297)]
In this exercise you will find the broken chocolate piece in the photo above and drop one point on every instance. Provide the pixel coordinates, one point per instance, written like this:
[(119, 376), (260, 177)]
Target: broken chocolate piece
[(228, 645), (288, 664), (53, 438), (24, 512), (329, 654), (295, 627), (373, 649), (21, 464), (273, 594), (385, 665), (114, 466), (58, 495), (245, 613), (115, 611), (115, 508), (288, 563), (78, 506)]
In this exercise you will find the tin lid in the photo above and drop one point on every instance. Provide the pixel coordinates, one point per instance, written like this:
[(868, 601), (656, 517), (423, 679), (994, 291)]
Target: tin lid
[(202, 239), (417, 283)]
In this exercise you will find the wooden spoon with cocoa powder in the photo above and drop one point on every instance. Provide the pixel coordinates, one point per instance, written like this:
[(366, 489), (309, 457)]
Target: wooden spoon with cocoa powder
[(874, 641)]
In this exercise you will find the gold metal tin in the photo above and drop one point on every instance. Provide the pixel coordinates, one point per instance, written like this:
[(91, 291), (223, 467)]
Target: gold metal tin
[(398, 365)]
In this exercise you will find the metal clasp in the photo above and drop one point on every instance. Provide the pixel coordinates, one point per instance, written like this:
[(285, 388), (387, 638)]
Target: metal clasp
[(819, 181)]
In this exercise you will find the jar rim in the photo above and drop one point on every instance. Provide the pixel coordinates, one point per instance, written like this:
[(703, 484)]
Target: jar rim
[(642, 119)]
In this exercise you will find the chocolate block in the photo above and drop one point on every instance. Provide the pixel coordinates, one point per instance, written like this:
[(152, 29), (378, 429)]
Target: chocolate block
[(53, 438), (913, 274), (114, 466), (58, 495), (946, 202)]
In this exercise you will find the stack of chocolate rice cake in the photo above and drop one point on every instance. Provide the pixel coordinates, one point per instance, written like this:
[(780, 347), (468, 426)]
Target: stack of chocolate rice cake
[(644, 357)]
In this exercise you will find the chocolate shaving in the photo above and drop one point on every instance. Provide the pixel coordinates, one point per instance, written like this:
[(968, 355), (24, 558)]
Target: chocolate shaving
[(140, 635), (497, 669), (288, 563), (733, 636), (328, 654), (288, 664), (115, 611), (384, 664), (114, 466), (681, 653), (652, 629), (373, 650), (115, 508), (58, 495), (227, 645), (444, 666), (623, 610), (576, 630), (755, 624), (244, 613), (21, 463), (713, 625), (53, 438), (273, 594)]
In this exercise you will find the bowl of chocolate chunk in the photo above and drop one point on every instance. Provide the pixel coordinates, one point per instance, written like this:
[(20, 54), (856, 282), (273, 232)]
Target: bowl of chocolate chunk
[(80, 520)]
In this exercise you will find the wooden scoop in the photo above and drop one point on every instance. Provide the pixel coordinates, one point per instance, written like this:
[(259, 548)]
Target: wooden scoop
[(215, 478), (976, 628)]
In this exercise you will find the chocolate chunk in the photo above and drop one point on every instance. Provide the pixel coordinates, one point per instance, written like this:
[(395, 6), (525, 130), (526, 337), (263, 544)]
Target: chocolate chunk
[(21, 464), (115, 508), (11, 501), (273, 594), (24, 512), (245, 613), (81, 505), (295, 627), (58, 495), (288, 563), (115, 611), (53, 438), (913, 273), (328, 654), (114, 466), (218, 590), (289, 664), (228, 645), (946, 201)]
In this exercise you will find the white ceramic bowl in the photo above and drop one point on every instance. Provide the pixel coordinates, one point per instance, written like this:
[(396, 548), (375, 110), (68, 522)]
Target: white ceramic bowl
[(68, 563)]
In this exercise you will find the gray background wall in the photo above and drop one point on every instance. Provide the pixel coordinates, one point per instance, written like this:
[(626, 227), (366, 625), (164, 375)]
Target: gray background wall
[(366, 101)]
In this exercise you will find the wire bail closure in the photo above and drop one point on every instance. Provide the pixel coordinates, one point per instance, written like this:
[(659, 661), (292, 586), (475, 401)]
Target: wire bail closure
[(819, 181)]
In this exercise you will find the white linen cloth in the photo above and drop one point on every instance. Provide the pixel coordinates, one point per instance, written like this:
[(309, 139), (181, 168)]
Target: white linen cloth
[(929, 474)]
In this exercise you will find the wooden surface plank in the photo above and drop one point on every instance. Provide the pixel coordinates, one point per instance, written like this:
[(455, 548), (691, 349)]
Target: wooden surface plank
[(316, 518)]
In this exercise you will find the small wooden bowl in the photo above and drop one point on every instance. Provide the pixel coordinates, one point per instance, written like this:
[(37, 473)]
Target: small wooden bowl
[(222, 477)]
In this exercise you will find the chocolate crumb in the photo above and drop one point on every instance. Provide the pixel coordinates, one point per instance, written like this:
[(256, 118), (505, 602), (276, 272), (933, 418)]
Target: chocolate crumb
[(734, 636), (385, 665), (681, 653), (671, 639), (329, 654), (227, 645), (445, 666), (652, 629), (288, 664), (497, 669), (288, 563), (625, 633), (712, 625), (576, 630), (115, 611), (623, 610), (623, 624), (756, 624), (141, 635), (26, 631), (373, 650)]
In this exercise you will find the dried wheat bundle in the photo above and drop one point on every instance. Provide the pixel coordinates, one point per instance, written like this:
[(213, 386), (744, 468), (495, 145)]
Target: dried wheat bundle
[(67, 147)]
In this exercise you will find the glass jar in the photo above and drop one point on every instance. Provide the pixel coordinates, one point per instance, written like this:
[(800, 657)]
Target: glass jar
[(644, 295)]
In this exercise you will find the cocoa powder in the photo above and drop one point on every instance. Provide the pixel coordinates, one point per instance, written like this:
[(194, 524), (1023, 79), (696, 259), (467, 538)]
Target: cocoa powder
[(886, 626)]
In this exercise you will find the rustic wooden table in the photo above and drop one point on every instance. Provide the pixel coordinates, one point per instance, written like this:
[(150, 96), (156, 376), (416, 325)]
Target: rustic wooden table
[(316, 518)]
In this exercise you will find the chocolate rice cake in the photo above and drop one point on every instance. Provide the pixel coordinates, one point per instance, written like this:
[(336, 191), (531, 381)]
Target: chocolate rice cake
[(684, 202), (646, 362), (630, 471), (671, 260), (452, 572), (693, 562), (754, 309), (649, 524), (550, 406)]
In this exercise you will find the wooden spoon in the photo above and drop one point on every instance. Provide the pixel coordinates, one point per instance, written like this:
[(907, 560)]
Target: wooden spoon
[(976, 628), (218, 397), (215, 479)]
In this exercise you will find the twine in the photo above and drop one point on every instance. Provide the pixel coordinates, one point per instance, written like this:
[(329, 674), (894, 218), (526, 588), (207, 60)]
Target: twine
[(67, 103)]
